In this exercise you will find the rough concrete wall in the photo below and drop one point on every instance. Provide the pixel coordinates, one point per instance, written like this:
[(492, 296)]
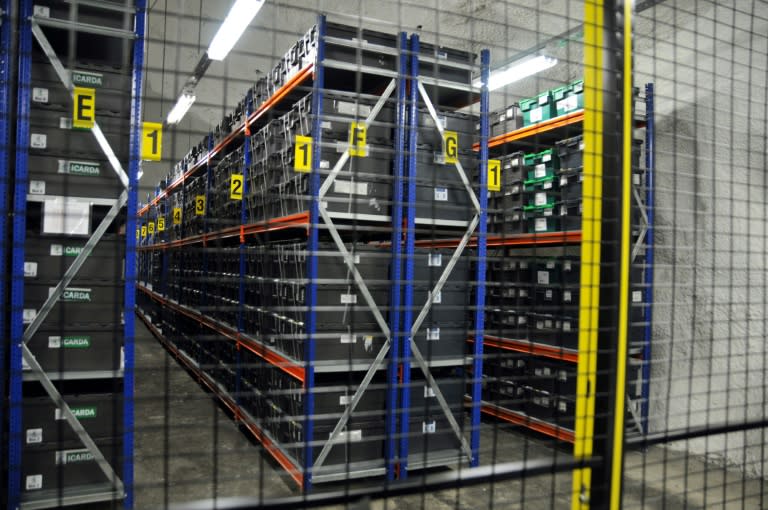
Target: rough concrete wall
[(709, 68)]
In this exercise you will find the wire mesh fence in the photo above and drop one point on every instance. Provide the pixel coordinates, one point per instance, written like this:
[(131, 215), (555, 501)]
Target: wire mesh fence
[(462, 254)]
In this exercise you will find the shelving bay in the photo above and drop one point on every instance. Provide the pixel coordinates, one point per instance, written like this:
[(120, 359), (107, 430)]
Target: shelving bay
[(71, 372), (282, 299)]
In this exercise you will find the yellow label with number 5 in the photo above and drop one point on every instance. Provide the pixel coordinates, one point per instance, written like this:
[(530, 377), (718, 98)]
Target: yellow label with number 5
[(302, 156), (236, 187), (199, 205), (494, 175), (161, 224), (177, 215)]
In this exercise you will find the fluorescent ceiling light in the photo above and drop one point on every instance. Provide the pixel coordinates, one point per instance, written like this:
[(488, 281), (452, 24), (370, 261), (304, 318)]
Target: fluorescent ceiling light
[(240, 16), (180, 108), (517, 71)]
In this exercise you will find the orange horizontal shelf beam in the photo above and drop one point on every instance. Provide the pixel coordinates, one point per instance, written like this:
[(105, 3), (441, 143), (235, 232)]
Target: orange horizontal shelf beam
[(534, 129), (278, 360), (570, 237), (524, 420), (525, 346), (261, 110), (297, 220), (254, 429)]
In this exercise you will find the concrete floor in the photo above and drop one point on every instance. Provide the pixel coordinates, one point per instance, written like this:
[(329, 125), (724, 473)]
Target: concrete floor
[(187, 448)]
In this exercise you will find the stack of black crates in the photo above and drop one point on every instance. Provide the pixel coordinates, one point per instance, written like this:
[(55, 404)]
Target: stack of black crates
[(532, 298), (71, 188), (234, 303)]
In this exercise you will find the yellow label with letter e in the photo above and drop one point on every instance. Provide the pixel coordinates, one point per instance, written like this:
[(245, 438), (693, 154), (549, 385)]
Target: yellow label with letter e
[(358, 147), (494, 175), (199, 205), (450, 146), (177, 215), (302, 156), (161, 224), (236, 187), (84, 111), (151, 141)]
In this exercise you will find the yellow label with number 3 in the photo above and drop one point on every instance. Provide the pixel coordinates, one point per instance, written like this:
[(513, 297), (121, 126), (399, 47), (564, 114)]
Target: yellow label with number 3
[(177, 215), (494, 175), (161, 224), (199, 205), (302, 156), (236, 187)]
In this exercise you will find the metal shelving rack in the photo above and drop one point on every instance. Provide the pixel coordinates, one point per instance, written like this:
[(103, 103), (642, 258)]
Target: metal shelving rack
[(31, 24), (312, 222), (550, 130)]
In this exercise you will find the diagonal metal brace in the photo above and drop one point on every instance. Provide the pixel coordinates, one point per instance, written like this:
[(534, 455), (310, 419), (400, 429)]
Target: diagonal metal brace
[(73, 422), (65, 79), (72, 271)]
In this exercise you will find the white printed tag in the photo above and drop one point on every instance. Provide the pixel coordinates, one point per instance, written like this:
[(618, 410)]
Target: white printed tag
[(54, 342), (437, 297), (433, 334), (65, 123), (38, 141), (540, 199), (540, 225), (429, 392), (34, 436), (348, 338), (428, 428), (540, 170), (30, 269), (57, 250), (542, 277), (435, 260), (37, 187), (348, 299), (637, 296), (441, 194), (567, 296), (536, 114), (40, 95), (33, 482), (28, 315)]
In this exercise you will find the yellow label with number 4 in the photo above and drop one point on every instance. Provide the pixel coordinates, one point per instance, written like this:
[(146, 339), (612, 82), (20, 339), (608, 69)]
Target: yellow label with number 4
[(199, 205), (177, 215), (494, 175), (236, 187), (161, 224), (302, 156)]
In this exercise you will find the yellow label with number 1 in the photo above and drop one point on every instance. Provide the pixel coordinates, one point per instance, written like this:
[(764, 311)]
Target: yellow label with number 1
[(450, 146), (84, 108), (302, 156), (494, 175), (177, 215), (151, 227), (357, 140), (161, 224), (151, 141), (236, 187), (143, 231), (199, 205)]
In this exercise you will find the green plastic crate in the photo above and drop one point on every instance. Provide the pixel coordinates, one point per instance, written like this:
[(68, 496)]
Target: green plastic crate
[(537, 108), (541, 164), (542, 183), (568, 98)]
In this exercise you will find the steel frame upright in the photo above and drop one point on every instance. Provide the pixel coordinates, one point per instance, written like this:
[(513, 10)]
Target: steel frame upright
[(476, 226), (650, 133), (6, 29), (19, 335)]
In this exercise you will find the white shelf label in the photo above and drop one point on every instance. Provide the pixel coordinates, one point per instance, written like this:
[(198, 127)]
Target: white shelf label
[(65, 123), (348, 299), (441, 194), (28, 315), (435, 260), (540, 225), (30, 269), (433, 334), (34, 436), (428, 427), (540, 198), (536, 114), (350, 436), (41, 11), (429, 392), (40, 95), (33, 482), (437, 297), (567, 297), (637, 295), (547, 185), (546, 158), (37, 187), (54, 342), (348, 338), (542, 277), (344, 400), (57, 250), (350, 188), (38, 141)]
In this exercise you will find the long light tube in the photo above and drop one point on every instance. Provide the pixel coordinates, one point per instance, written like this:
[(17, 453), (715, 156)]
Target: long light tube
[(180, 109), (518, 71), (240, 16)]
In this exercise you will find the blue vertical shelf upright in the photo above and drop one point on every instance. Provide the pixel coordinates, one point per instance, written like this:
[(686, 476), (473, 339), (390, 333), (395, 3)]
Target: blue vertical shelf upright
[(5, 153), (650, 133), (21, 493)]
